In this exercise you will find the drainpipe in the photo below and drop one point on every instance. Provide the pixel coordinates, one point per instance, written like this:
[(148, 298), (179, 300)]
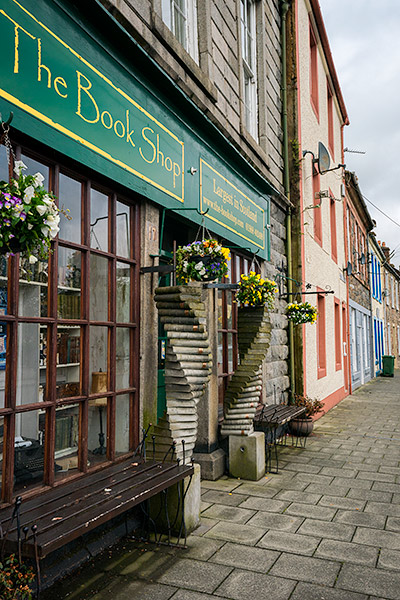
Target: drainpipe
[(286, 184)]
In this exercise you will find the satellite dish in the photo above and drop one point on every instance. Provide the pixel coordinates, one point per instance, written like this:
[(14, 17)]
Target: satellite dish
[(323, 160)]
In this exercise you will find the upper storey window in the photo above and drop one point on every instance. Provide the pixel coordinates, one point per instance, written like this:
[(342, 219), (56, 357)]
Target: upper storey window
[(331, 136), (181, 18), (249, 62), (314, 71)]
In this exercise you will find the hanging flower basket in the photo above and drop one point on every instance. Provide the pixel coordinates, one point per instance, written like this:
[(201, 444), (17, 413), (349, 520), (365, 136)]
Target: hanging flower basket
[(301, 312), (254, 291), (29, 216), (202, 261)]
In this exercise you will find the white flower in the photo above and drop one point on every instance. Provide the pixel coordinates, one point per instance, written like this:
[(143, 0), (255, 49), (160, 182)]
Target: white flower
[(45, 231), (47, 200), (32, 259), (18, 167), (203, 272), (53, 232), (30, 226), (41, 208), (29, 193), (199, 266), (38, 179)]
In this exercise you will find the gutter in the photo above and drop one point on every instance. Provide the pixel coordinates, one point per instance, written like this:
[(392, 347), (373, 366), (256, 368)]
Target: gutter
[(286, 185)]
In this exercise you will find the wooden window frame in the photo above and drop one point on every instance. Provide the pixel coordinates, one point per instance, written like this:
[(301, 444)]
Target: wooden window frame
[(314, 92), (321, 335), (338, 340), (332, 215), (317, 208), (13, 319), (331, 134)]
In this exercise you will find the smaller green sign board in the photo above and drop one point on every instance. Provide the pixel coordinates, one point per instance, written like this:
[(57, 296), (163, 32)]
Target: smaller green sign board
[(228, 206)]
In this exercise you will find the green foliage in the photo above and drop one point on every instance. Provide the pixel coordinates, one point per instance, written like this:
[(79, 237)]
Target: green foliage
[(301, 312), (15, 580), (256, 291), (29, 216), (202, 261)]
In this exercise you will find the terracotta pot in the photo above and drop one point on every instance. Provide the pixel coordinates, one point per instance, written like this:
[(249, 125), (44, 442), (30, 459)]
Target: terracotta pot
[(301, 427)]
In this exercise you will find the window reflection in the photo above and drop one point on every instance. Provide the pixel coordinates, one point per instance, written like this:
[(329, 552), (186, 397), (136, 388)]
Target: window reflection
[(123, 293), (98, 288), (29, 449), (68, 361), (122, 358), (98, 220), (34, 166), (97, 431), (3, 164), (122, 424), (31, 364), (66, 440), (33, 288), (123, 230), (98, 350), (69, 283), (70, 193)]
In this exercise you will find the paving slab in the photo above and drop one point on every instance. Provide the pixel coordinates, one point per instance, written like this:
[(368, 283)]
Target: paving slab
[(373, 496), (389, 559), (377, 538), (229, 513), (347, 552), (234, 532), (139, 590), (200, 548), (250, 489), (246, 557), (344, 503), (305, 568), (356, 517), (227, 498), (265, 504), (309, 591), (327, 529), (313, 511), (277, 522), (289, 542), (195, 575), (383, 508), (366, 580), (298, 496), (245, 585), (190, 595)]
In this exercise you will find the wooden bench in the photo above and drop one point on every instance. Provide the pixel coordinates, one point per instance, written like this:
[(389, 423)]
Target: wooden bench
[(62, 514), (272, 419)]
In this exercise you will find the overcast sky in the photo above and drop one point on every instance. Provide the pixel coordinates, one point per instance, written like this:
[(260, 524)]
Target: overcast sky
[(364, 37)]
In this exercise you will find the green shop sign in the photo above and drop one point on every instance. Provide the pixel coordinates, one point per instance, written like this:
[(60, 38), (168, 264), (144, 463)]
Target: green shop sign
[(72, 90), (47, 78)]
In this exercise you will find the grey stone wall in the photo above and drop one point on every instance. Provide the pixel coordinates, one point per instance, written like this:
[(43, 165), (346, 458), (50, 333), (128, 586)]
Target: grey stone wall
[(215, 84), (359, 293)]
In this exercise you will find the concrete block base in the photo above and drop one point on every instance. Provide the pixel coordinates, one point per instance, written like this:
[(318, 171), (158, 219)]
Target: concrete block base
[(192, 505), (212, 464), (247, 456)]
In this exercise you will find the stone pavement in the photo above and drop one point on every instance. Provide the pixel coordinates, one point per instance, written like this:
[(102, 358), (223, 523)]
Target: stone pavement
[(327, 527)]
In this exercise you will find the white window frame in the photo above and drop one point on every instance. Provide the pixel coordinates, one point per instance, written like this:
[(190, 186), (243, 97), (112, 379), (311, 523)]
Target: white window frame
[(249, 65), (187, 10), (392, 289)]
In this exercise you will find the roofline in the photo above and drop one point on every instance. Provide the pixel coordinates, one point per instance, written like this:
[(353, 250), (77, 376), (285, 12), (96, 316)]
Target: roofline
[(316, 9), (353, 177)]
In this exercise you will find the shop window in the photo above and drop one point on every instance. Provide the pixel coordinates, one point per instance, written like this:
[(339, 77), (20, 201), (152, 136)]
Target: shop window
[(180, 16), (338, 345), (314, 72), (249, 64), (69, 388), (333, 227), (317, 209), (331, 139), (321, 336)]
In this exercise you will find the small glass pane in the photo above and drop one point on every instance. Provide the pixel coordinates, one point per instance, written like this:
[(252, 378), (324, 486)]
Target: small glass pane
[(31, 363), (29, 449), (98, 352), (220, 354), (123, 293), (123, 230), (3, 346), (69, 198), (98, 288), (34, 166), (230, 353), (220, 309), (122, 358), (229, 311), (98, 220), (68, 361), (67, 439), (33, 288), (97, 431), (69, 283), (122, 424)]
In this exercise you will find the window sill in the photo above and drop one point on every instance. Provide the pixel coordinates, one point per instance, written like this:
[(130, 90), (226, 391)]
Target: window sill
[(165, 35), (315, 109), (254, 145), (321, 373)]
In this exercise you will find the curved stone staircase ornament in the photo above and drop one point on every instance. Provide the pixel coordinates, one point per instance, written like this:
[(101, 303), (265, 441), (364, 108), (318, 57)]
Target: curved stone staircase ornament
[(244, 389), (187, 368)]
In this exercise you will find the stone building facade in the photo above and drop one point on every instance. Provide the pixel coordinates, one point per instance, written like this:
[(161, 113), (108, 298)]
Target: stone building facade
[(391, 278)]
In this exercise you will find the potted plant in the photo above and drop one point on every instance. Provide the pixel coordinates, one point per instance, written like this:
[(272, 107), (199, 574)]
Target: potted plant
[(205, 260), (303, 426), (254, 291), (29, 216), (301, 312), (15, 579)]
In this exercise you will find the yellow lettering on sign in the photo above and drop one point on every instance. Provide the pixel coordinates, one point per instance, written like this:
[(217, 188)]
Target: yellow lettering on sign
[(60, 81), (150, 144), (17, 27), (82, 88), (110, 122), (42, 66), (129, 131)]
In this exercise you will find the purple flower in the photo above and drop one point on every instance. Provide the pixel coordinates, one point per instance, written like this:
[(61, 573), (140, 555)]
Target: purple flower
[(7, 222), (22, 216), (11, 236), (7, 204)]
